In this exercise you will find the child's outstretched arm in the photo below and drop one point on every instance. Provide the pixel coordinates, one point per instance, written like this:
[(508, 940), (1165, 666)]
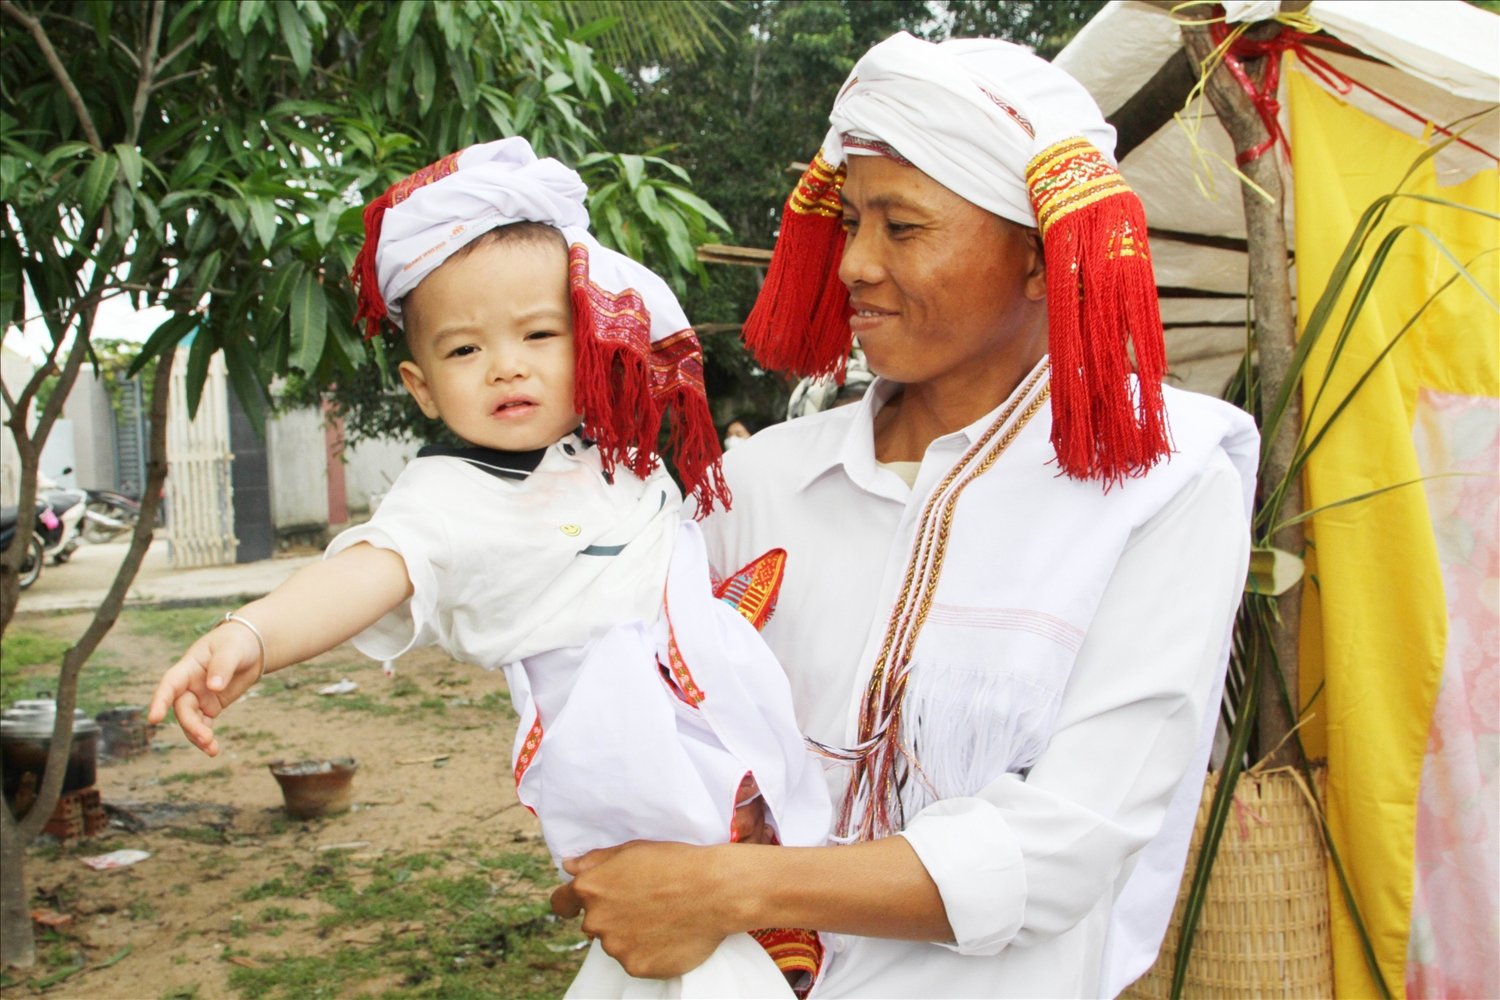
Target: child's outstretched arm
[(322, 605)]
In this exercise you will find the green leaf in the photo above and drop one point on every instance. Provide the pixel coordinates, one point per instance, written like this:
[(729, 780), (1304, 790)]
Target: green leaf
[(99, 12), (309, 323), (199, 355), (424, 75), (635, 169), (61, 151), (326, 221), (263, 217), (163, 339), (244, 376), (207, 272), (461, 70), (697, 204), (96, 184), (298, 39), (249, 11), (645, 197), (447, 22), (130, 163), (408, 14)]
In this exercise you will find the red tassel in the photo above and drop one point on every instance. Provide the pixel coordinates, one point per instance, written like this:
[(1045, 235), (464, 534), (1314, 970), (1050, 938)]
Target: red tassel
[(1101, 305), (624, 385), (800, 322), (697, 455), (369, 305)]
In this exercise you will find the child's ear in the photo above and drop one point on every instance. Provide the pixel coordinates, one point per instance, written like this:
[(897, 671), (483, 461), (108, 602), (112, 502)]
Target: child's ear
[(416, 384)]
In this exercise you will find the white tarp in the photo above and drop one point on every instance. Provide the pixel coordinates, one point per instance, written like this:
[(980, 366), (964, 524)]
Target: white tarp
[(1438, 62)]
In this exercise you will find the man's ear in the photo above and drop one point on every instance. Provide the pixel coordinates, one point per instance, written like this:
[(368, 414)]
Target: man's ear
[(1036, 271), (416, 384)]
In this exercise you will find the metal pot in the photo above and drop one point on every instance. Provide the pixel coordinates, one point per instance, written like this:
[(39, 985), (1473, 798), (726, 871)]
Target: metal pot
[(26, 735)]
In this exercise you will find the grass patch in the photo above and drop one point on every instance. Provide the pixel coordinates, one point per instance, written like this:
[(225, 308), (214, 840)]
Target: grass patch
[(458, 945), (178, 626), (359, 702), (533, 867), (30, 666), (199, 835), (189, 777)]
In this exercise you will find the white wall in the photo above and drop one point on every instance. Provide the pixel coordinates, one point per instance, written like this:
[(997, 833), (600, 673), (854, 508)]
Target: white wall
[(297, 453), (14, 371), (93, 432), (299, 468), (372, 466)]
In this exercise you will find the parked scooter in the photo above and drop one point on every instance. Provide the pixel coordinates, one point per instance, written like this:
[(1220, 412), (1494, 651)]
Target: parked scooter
[(108, 514), (31, 568), (69, 506)]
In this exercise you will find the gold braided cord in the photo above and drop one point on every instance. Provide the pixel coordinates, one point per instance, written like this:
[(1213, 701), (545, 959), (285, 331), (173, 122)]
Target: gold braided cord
[(921, 553), (817, 192), (880, 747), (1086, 194)]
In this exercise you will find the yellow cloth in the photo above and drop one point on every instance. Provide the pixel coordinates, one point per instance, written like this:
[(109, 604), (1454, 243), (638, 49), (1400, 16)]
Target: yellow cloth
[(1375, 623)]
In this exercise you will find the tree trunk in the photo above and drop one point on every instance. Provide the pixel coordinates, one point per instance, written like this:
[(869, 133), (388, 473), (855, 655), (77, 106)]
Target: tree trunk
[(17, 936), (1276, 340), (17, 942)]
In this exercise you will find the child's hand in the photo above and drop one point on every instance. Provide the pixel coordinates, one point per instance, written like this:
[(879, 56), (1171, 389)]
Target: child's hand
[(216, 670)]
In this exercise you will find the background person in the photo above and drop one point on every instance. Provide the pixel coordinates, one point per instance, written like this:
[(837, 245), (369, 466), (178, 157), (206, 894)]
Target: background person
[(1015, 656)]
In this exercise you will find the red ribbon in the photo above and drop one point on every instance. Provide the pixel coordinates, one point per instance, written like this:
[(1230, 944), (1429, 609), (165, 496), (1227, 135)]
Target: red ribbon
[(1264, 95)]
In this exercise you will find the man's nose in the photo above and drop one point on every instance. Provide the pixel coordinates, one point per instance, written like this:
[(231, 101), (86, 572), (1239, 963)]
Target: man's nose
[(860, 264)]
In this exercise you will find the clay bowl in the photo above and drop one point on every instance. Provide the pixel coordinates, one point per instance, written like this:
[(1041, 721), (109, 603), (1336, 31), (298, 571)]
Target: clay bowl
[(313, 788)]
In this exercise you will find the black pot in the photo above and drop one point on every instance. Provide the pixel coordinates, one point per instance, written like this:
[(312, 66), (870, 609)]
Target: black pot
[(26, 736)]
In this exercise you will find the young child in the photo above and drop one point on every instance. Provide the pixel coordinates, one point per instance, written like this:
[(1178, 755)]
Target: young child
[(551, 543)]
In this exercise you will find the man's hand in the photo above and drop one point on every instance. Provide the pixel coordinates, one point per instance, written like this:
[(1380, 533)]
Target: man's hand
[(659, 909)]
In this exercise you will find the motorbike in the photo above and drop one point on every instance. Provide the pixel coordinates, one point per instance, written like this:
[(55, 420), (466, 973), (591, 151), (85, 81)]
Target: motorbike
[(69, 507), (108, 514), (31, 568)]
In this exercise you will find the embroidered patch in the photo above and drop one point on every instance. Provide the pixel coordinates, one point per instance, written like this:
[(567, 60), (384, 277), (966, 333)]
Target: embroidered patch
[(817, 193), (528, 750), (403, 189), (1010, 110), (1071, 175), (753, 589)]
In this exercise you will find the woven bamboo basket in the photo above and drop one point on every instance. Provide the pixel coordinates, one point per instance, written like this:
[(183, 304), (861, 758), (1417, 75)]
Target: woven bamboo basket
[(1263, 931)]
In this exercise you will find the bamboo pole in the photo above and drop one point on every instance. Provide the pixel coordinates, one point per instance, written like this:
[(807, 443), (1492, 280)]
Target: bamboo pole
[(1276, 340)]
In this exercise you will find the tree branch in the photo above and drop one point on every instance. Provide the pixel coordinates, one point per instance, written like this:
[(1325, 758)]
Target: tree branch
[(34, 25), (148, 73), (109, 609), (176, 51), (165, 82)]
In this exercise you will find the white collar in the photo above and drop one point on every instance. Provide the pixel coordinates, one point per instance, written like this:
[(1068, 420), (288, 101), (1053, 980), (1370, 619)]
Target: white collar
[(856, 454)]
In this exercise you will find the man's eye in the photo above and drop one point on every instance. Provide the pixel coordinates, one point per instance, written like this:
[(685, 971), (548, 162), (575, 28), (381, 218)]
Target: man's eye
[(899, 228), (849, 225)]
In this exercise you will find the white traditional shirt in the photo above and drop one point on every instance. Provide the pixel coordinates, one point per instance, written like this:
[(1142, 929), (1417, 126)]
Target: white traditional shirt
[(584, 588), (1063, 688)]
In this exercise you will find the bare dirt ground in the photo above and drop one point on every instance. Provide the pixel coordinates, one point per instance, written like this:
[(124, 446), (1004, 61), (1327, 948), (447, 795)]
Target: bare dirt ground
[(433, 884)]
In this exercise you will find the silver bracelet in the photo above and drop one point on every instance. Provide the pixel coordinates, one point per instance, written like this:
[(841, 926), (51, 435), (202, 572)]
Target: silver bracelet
[(260, 640)]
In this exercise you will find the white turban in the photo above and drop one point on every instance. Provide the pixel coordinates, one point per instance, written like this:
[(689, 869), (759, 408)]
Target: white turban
[(969, 113), (637, 359), (491, 185)]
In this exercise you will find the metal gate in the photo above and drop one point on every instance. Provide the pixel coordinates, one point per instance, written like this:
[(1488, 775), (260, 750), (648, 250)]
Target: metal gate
[(200, 492)]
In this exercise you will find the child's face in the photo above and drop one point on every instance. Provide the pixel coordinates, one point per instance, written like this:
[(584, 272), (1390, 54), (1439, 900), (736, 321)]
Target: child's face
[(491, 335)]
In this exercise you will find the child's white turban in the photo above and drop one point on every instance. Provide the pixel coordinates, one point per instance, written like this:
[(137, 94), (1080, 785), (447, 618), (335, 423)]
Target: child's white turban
[(637, 357)]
